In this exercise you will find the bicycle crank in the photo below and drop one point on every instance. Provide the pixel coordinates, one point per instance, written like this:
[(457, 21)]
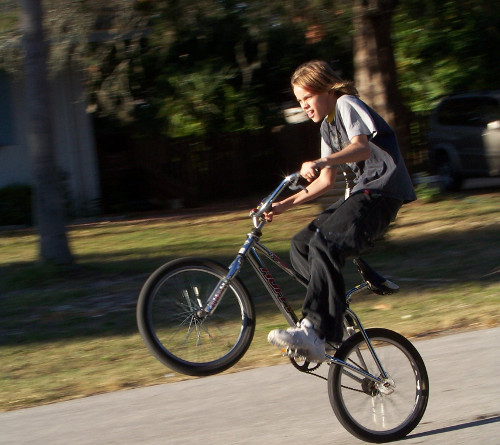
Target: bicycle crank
[(299, 362)]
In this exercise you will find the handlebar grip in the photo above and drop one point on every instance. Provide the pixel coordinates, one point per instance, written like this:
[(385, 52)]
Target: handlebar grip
[(266, 204)]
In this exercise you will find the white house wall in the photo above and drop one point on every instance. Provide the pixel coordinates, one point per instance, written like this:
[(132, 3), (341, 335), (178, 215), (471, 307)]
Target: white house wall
[(15, 161), (73, 138)]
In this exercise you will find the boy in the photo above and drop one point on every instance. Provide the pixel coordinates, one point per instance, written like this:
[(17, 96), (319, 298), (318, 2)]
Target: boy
[(356, 137)]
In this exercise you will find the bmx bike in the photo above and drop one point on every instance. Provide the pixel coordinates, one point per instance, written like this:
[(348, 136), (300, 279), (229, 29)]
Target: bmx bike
[(197, 318)]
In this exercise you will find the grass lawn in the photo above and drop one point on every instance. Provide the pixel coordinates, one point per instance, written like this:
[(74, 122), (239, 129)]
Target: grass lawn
[(69, 333)]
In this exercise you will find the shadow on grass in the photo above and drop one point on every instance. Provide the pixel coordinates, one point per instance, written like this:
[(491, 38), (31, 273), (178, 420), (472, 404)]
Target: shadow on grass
[(97, 298)]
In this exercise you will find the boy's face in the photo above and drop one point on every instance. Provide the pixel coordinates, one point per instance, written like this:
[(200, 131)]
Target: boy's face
[(317, 106)]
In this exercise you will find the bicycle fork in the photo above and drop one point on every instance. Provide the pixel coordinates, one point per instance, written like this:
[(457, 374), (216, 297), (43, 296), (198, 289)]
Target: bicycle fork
[(233, 270), (219, 291)]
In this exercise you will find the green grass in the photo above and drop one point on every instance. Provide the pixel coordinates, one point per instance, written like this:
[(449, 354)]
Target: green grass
[(70, 332)]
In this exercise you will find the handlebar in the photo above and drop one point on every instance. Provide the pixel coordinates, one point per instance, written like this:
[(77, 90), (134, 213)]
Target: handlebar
[(291, 181)]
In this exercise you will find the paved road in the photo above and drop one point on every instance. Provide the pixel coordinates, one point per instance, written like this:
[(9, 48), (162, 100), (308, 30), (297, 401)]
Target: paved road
[(275, 405)]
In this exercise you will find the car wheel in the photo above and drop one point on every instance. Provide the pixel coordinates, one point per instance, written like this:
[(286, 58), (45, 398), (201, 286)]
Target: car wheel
[(449, 179)]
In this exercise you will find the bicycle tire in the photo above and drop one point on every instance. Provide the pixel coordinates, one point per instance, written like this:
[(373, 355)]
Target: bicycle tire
[(171, 329), (358, 403)]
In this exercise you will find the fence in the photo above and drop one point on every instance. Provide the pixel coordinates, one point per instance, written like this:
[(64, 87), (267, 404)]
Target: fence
[(142, 174)]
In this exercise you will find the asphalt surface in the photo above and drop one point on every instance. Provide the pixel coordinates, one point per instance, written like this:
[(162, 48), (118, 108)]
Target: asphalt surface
[(274, 405)]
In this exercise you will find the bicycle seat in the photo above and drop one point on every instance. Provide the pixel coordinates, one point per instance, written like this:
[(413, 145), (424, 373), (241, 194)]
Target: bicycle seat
[(376, 282)]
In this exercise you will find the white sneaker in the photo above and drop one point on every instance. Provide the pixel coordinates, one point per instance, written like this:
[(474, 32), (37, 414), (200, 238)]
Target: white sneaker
[(303, 340)]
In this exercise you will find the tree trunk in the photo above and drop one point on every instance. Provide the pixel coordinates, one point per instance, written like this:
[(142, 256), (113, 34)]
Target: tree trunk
[(48, 202), (375, 67)]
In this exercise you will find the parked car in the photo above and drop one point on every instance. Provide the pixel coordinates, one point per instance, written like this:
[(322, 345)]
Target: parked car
[(464, 138)]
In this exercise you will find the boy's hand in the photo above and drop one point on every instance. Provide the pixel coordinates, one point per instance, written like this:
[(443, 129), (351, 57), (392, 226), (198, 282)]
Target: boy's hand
[(277, 209), (309, 170)]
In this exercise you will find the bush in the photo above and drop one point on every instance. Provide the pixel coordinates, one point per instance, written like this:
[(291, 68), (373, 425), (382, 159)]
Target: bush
[(15, 205)]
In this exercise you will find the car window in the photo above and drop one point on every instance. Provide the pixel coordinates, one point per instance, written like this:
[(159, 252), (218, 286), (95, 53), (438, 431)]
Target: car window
[(469, 111)]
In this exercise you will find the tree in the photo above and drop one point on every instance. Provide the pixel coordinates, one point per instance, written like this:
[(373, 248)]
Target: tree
[(70, 27), (374, 64), (446, 47), (48, 202)]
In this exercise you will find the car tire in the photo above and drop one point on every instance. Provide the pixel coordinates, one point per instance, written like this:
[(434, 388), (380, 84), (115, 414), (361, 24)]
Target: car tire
[(449, 179)]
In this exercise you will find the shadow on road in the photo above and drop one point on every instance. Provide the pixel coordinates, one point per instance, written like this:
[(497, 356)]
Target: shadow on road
[(455, 427)]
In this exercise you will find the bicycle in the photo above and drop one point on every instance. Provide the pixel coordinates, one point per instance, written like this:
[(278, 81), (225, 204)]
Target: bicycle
[(197, 318)]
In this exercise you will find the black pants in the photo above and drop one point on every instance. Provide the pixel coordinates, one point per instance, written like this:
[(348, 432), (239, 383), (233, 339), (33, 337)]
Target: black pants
[(318, 252)]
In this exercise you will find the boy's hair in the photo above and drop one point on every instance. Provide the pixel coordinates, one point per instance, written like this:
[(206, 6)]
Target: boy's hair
[(318, 77)]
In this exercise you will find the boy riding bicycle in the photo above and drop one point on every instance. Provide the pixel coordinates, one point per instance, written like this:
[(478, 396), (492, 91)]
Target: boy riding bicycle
[(353, 136)]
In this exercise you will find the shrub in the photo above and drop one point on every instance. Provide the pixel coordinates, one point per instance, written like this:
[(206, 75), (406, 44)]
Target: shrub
[(15, 205)]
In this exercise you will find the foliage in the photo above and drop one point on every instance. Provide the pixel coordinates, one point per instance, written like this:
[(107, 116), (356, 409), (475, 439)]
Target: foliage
[(8, 16), (9, 36), (224, 66), (80, 33), (196, 66), (204, 102), (427, 192), (445, 47)]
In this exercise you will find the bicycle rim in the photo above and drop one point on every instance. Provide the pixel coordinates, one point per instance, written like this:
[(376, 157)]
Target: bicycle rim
[(371, 412), (179, 337)]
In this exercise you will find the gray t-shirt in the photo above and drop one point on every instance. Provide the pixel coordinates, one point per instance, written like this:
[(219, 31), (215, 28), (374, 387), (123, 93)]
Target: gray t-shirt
[(384, 171)]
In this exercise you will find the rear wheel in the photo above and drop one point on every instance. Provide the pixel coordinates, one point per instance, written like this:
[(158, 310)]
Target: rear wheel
[(379, 412), (169, 321)]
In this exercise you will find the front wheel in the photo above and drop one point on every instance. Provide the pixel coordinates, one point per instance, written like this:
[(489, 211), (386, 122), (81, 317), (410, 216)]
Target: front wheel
[(375, 412), (169, 321)]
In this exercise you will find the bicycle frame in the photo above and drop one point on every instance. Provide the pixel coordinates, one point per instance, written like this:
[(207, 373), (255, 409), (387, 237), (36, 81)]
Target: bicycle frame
[(250, 251)]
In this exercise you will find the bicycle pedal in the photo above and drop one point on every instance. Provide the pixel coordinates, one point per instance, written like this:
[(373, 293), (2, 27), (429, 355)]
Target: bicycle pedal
[(293, 353), (287, 352)]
